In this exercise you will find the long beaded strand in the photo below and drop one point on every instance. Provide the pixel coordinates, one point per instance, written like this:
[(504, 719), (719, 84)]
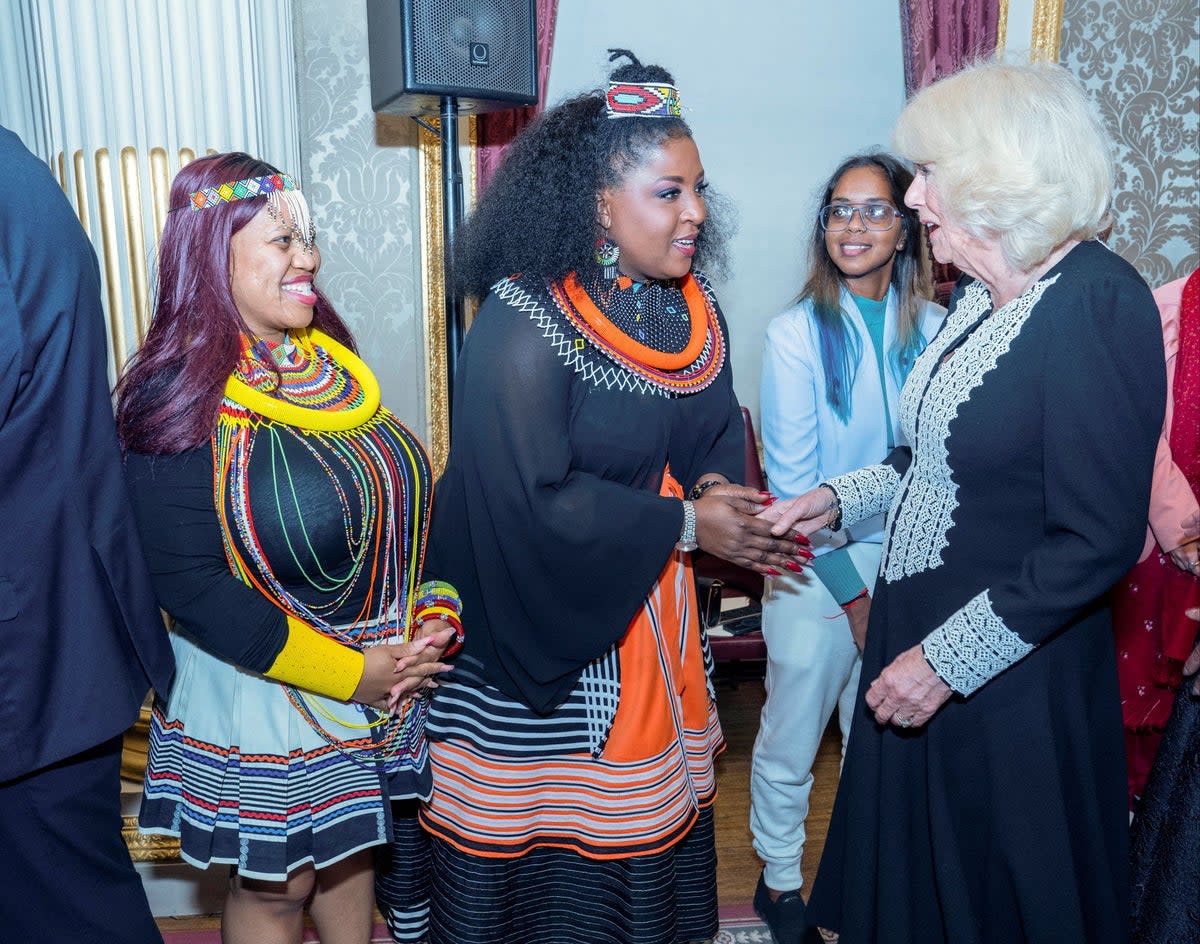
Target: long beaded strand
[(389, 471)]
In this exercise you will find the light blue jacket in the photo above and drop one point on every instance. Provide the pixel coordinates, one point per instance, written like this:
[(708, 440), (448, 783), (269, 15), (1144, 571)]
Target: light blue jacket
[(804, 441)]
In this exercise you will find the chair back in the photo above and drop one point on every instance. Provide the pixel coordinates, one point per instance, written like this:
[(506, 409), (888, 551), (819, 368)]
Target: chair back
[(754, 470)]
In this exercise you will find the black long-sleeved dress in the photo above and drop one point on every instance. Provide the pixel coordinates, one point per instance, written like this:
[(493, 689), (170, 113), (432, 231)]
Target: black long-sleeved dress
[(572, 748), (1033, 429)]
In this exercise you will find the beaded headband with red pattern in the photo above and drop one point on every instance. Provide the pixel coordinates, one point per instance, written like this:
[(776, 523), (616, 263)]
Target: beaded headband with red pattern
[(279, 189), (643, 100)]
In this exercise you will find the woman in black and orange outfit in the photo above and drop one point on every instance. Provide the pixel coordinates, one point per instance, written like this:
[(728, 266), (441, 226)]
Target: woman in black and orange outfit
[(596, 432), (283, 511)]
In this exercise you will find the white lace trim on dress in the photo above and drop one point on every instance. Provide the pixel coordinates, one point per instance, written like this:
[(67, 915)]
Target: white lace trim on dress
[(973, 646), (918, 528), (865, 492)]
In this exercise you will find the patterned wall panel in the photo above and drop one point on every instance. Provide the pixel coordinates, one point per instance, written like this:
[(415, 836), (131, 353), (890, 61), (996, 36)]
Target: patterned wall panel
[(362, 176), (1139, 59)]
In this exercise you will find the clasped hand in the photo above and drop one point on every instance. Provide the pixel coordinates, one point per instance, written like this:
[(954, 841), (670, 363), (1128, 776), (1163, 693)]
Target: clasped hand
[(395, 671), (728, 524), (1192, 665), (805, 514)]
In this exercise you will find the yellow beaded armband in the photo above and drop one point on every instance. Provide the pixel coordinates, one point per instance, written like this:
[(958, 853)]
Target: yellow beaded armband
[(316, 663)]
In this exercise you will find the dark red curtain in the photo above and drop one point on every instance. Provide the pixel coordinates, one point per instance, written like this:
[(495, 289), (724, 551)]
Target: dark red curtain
[(496, 130), (940, 37)]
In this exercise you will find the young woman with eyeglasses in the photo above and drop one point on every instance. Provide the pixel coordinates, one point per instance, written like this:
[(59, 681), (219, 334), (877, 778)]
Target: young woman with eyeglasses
[(832, 370)]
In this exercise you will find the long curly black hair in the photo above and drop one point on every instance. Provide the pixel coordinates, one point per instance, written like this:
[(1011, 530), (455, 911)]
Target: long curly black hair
[(539, 213)]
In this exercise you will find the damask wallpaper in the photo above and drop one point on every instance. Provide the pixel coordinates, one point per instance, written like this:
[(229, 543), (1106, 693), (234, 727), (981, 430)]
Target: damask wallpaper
[(361, 175), (1139, 59)]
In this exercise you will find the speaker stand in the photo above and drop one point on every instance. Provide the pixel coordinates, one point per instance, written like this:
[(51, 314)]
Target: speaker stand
[(452, 218)]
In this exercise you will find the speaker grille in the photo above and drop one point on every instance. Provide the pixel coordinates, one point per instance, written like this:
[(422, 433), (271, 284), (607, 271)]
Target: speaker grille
[(444, 32)]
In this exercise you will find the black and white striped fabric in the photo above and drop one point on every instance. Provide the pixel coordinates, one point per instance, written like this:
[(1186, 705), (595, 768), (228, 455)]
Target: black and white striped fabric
[(467, 707), (403, 872), (553, 896)]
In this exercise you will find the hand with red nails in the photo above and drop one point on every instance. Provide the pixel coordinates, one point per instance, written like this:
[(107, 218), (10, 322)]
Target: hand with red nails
[(729, 525)]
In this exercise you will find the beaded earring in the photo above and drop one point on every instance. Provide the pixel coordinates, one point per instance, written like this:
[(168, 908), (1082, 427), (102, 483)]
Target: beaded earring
[(607, 254)]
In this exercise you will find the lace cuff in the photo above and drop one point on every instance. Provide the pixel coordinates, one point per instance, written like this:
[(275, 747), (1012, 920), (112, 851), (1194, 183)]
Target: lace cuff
[(865, 492), (973, 646)]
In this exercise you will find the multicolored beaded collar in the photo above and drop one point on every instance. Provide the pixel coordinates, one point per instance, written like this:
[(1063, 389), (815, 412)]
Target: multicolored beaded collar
[(689, 371), (331, 391), (326, 401)]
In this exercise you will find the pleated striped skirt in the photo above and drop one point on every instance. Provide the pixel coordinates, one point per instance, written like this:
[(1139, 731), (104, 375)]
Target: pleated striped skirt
[(238, 774), (546, 830)]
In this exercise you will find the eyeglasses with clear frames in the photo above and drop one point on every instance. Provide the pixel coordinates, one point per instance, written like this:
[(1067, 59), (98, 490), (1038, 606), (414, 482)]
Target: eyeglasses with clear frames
[(876, 216)]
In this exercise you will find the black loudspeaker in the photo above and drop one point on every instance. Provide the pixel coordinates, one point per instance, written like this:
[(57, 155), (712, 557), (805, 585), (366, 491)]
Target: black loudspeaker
[(481, 52)]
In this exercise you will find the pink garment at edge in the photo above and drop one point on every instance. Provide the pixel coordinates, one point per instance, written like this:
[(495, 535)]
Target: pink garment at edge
[(1174, 511)]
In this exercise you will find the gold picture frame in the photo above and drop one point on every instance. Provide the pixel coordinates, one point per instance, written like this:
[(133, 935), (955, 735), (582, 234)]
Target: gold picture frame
[(1045, 38), (433, 279)]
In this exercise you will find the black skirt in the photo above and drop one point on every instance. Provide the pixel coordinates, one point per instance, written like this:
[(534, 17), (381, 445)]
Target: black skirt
[(1166, 834)]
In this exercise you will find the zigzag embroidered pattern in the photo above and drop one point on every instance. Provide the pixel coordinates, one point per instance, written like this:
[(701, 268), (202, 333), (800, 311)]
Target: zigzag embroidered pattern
[(581, 356)]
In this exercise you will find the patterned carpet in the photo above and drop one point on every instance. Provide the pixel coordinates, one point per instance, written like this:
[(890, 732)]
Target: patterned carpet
[(740, 925)]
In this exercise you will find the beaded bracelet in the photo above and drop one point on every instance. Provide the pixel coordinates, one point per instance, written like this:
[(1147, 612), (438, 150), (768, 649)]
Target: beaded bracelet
[(438, 600)]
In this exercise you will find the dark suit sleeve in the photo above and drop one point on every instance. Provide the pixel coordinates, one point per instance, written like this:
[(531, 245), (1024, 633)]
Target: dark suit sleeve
[(173, 504)]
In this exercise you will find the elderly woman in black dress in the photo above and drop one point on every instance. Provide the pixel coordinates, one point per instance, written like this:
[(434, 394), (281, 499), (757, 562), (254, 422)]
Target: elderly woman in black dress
[(982, 798)]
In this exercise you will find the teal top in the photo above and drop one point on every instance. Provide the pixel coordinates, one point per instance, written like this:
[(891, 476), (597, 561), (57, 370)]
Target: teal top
[(874, 313), (836, 570)]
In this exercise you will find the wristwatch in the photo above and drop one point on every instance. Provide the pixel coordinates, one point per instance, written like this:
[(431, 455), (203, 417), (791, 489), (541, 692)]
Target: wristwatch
[(687, 537)]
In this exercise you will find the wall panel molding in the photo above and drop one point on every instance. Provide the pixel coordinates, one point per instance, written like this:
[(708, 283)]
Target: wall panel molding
[(116, 95)]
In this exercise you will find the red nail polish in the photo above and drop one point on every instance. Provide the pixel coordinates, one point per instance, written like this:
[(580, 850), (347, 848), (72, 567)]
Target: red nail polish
[(807, 555), (801, 539), (774, 573), (794, 567), (770, 501)]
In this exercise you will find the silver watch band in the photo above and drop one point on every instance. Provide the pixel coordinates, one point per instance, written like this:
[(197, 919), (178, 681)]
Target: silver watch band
[(687, 537)]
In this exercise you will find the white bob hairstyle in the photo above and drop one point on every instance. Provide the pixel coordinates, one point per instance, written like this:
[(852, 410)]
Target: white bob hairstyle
[(1021, 156)]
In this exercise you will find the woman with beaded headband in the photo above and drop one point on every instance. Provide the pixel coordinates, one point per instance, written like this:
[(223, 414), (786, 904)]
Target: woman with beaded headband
[(596, 434), (284, 513)]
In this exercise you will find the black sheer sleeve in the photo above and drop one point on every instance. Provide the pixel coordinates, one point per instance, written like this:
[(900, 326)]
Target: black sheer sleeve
[(173, 504), (552, 561)]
